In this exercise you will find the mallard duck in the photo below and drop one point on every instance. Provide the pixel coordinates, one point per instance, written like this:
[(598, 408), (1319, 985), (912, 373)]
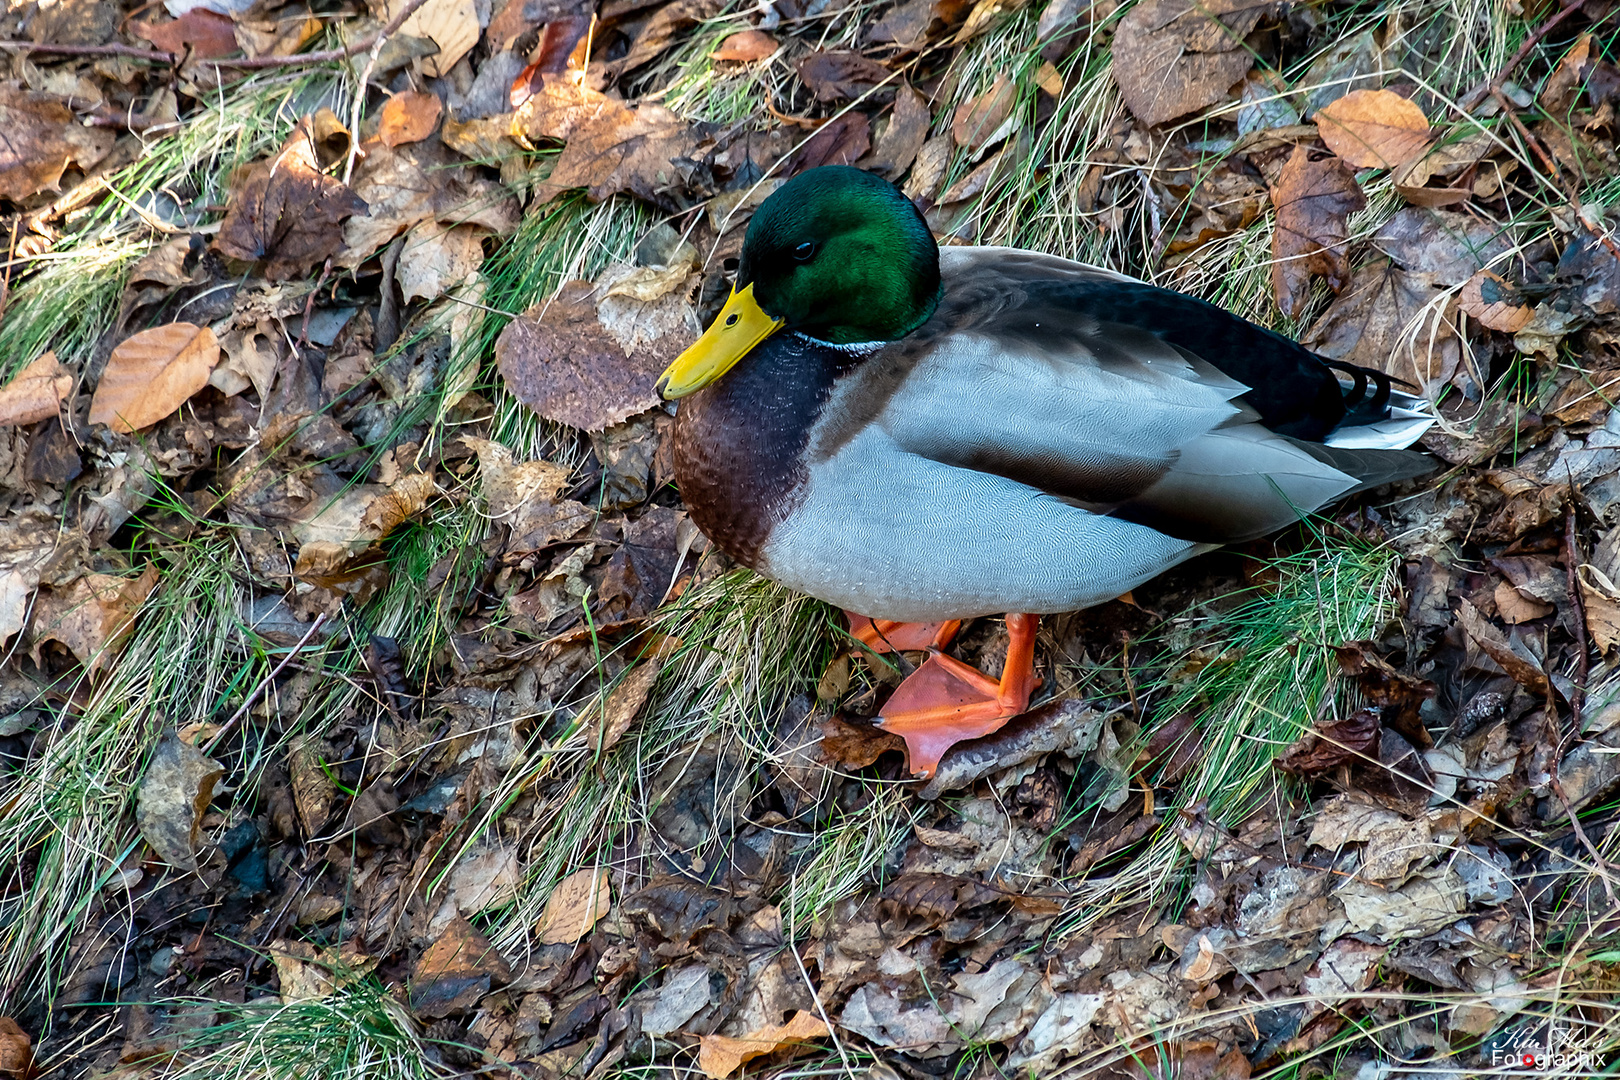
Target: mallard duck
[(922, 436)]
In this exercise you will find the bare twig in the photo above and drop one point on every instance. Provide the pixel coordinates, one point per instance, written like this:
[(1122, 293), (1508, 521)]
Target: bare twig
[(1572, 563), (1470, 101), (247, 703), (247, 63)]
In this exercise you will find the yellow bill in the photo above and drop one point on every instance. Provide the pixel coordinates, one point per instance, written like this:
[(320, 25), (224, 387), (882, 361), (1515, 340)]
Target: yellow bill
[(740, 326)]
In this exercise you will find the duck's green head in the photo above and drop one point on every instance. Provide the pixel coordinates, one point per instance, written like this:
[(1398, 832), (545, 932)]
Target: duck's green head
[(835, 253)]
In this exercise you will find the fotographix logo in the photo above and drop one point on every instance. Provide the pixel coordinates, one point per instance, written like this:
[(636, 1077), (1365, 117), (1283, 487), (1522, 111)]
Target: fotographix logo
[(1550, 1046)]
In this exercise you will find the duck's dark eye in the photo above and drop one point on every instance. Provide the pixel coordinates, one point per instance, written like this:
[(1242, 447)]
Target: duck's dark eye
[(804, 251)]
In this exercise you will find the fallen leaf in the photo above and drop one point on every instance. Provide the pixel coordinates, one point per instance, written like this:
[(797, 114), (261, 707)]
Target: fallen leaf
[(670, 23), (978, 121), (309, 973), (1601, 600), (251, 355), (1450, 246), (285, 211), (1314, 199), (1515, 607), (745, 47), (1392, 320), (1496, 304), (1564, 85), (456, 972), (486, 878), (42, 138), (523, 497), (842, 140), (452, 25), (205, 32), (574, 907), (337, 530), (173, 796), (840, 76), (152, 373), (1374, 129), (92, 617), (571, 364), (1495, 644), (908, 127), (855, 746), (407, 117), (36, 393), (720, 1055), (437, 258), (912, 23), (1174, 57), (16, 1052), (604, 727), (1336, 743)]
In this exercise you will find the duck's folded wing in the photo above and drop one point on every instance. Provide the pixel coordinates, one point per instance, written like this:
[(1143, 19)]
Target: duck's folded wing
[(1116, 421)]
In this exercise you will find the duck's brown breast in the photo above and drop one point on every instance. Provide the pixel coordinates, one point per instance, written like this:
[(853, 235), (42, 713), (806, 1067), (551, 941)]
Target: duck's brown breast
[(740, 442)]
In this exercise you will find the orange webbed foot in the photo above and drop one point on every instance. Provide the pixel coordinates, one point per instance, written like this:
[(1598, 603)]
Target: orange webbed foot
[(946, 701), (886, 635)]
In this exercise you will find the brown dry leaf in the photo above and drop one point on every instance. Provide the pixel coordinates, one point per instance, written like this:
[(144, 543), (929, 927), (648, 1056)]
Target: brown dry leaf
[(408, 117), (842, 140), (910, 24), (1493, 643), (452, 25), (1390, 319), (36, 393), (1496, 304), (978, 121), (574, 907), (16, 1053), (745, 47), (1515, 607), (523, 496), (41, 137), (1445, 244), (840, 76), (153, 373), (341, 528), (1601, 599), (667, 25), (1564, 84), (1174, 57), (720, 1055), (604, 727), (855, 746), (286, 211), (1327, 746), (455, 972), (436, 258), (486, 878), (93, 617), (908, 126), (251, 356), (588, 369), (308, 973), (174, 795), (1374, 129), (206, 33), (1314, 200), (608, 146)]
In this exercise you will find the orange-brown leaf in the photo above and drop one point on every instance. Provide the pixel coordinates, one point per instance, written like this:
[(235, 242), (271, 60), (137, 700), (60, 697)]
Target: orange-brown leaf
[(575, 906), (745, 47), (42, 137), (206, 33), (1314, 199), (1496, 305), (36, 393), (285, 211), (153, 373), (1374, 129), (720, 1055), (408, 117), (977, 120)]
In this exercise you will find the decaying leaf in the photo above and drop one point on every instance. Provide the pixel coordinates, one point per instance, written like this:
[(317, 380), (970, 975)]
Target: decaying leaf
[(908, 126), (590, 368), (16, 1052), (1489, 298), (840, 76), (452, 25), (745, 46), (1491, 641), (204, 32), (852, 746), (437, 257), (41, 138), (456, 971), (1174, 57), (485, 878), (605, 726), (840, 141), (1374, 129), (1393, 320), (285, 211), (153, 373), (910, 24), (92, 617), (978, 121), (338, 529), (173, 796), (407, 117), (1336, 743), (1601, 600), (719, 1055), (309, 973), (575, 906), (1314, 199), (36, 393)]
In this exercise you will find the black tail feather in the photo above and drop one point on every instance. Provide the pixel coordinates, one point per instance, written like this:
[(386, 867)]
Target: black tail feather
[(1359, 408)]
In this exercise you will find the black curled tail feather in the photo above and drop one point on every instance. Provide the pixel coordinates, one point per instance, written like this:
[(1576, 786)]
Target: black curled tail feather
[(1360, 407)]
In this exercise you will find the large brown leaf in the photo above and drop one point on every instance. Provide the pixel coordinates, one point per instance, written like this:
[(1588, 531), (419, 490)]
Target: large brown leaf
[(153, 373), (39, 136), (1174, 57), (1374, 129), (1313, 199), (908, 128), (206, 33), (608, 146), (285, 211), (840, 76), (568, 363), (36, 393), (408, 117), (1387, 320)]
